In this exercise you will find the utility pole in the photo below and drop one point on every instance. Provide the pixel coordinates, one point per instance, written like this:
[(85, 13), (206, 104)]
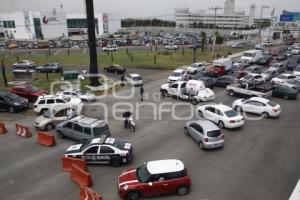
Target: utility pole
[(216, 8), (260, 26), (89, 4)]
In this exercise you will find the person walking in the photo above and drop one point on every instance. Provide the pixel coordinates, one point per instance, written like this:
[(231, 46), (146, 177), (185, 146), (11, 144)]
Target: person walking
[(122, 80), (142, 91)]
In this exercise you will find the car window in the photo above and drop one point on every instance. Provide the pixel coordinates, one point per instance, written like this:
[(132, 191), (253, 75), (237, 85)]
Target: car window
[(42, 102), (231, 113), (50, 101), (67, 93), (59, 101), (250, 103), (257, 103), (60, 113), (87, 130), (69, 125), (174, 86), (106, 149), (219, 112), (175, 175), (198, 128), (272, 104), (92, 150), (291, 77), (100, 130), (211, 109), (78, 128), (214, 133)]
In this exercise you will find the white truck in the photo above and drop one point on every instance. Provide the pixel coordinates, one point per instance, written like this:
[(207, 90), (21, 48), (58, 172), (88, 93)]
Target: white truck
[(262, 90), (192, 90), (252, 56)]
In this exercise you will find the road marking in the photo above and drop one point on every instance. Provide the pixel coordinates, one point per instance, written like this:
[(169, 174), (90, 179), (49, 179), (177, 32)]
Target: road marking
[(58, 51)]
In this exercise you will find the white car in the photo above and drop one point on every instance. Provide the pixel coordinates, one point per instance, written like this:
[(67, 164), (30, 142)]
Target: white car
[(134, 79), (176, 75), (252, 78), (54, 102), (195, 67), (297, 71), (296, 50), (110, 48), (222, 115), (257, 105), (171, 47), (85, 96), (283, 78)]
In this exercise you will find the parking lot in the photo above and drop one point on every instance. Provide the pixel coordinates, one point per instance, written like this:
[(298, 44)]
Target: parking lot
[(258, 161)]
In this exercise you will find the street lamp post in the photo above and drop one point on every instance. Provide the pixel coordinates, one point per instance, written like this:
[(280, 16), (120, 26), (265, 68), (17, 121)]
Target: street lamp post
[(260, 26), (216, 8)]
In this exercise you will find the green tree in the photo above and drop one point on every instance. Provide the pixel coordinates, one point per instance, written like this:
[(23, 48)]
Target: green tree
[(203, 40)]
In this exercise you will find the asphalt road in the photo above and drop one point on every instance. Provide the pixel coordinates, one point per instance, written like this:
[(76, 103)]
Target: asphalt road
[(259, 161)]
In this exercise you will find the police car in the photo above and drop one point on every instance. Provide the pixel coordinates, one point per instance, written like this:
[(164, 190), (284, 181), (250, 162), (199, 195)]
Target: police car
[(104, 150)]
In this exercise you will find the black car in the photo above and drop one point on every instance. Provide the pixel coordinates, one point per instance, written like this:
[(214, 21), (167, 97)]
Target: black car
[(285, 92), (11, 102), (281, 57), (115, 69), (291, 64), (223, 81), (254, 69), (50, 68), (265, 60), (103, 150)]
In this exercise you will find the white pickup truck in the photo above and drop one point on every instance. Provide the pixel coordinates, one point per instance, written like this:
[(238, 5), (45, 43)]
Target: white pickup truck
[(262, 90), (192, 90)]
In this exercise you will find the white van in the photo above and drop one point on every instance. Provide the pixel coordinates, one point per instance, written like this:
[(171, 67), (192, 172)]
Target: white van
[(252, 56)]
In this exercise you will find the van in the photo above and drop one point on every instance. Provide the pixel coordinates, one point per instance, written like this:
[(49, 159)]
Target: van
[(221, 66), (252, 56)]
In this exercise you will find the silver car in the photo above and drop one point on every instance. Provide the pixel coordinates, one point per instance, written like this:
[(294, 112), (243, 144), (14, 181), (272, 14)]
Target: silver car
[(205, 133), (85, 96)]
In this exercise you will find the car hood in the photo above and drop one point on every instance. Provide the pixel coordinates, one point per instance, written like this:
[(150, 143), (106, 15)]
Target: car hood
[(174, 78), (128, 177), (42, 120), (74, 149)]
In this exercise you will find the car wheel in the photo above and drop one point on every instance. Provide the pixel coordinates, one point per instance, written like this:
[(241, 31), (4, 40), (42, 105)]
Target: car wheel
[(194, 101), (231, 93), (115, 162), (49, 127), (44, 110), (265, 115), (221, 124), (286, 97), (61, 135), (201, 145), (186, 131), (12, 109), (182, 190), (133, 128), (238, 109), (200, 114), (133, 196), (163, 93)]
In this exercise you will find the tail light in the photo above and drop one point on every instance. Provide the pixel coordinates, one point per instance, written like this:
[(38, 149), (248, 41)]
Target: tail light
[(206, 139), (232, 121)]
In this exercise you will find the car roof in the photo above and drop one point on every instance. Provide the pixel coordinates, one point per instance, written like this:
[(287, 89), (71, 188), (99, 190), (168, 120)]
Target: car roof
[(221, 107), (81, 119), (134, 75), (260, 99), (206, 124), (164, 166)]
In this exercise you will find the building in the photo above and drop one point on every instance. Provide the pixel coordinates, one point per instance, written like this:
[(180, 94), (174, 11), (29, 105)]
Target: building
[(29, 25), (229, 19)]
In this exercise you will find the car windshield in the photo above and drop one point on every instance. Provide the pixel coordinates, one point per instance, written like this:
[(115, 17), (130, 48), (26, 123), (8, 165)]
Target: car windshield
[(248, 77), (137, 78), (268, 72), (11, 97), (293, 81), (248, 54), (281, 77), (175, 74), (143, 174), (98, 130), (120, 144), (214, 133), (48, 114), (272, 104), (276, 66), (231, 113), (81, 92), (67, 99)]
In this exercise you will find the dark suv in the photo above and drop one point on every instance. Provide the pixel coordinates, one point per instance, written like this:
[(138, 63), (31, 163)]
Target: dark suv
[(50, 68), (115, 69), (11, 102)]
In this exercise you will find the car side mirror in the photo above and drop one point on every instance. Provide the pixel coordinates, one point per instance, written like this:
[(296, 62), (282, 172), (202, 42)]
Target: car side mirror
[(150, 184)]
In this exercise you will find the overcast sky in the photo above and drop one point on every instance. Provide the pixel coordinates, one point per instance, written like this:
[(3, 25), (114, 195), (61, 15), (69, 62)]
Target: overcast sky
[(143, 8)]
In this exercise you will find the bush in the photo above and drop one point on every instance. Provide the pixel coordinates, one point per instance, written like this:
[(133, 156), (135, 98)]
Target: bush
[(219, 39)]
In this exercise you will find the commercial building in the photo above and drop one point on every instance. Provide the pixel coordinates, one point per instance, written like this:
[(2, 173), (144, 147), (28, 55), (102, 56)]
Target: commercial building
[(30, 25), (229, 19)]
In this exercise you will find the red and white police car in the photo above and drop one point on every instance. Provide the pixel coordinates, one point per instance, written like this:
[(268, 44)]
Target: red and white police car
[(154, 178)]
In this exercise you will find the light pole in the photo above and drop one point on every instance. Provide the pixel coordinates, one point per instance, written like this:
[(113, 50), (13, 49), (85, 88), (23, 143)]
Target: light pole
[(216, 8), (260, 26)]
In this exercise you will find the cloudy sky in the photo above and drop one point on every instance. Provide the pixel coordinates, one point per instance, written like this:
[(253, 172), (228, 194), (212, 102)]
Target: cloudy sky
[(143, 8)]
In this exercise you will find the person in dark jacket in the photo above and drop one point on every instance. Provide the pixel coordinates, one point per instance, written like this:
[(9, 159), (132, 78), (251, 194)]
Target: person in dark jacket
[(142, 92)]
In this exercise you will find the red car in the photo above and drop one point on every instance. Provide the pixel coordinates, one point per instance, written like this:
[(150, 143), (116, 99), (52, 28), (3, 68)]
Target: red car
[(154, 178), (27, 91), (218, 70)]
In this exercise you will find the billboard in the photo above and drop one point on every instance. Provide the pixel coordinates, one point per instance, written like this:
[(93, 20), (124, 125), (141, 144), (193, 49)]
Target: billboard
[(297, 16), (286, 18)]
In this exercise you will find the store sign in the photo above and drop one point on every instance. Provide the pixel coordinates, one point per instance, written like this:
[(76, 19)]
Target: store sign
[(286, 18), (297, 16)]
